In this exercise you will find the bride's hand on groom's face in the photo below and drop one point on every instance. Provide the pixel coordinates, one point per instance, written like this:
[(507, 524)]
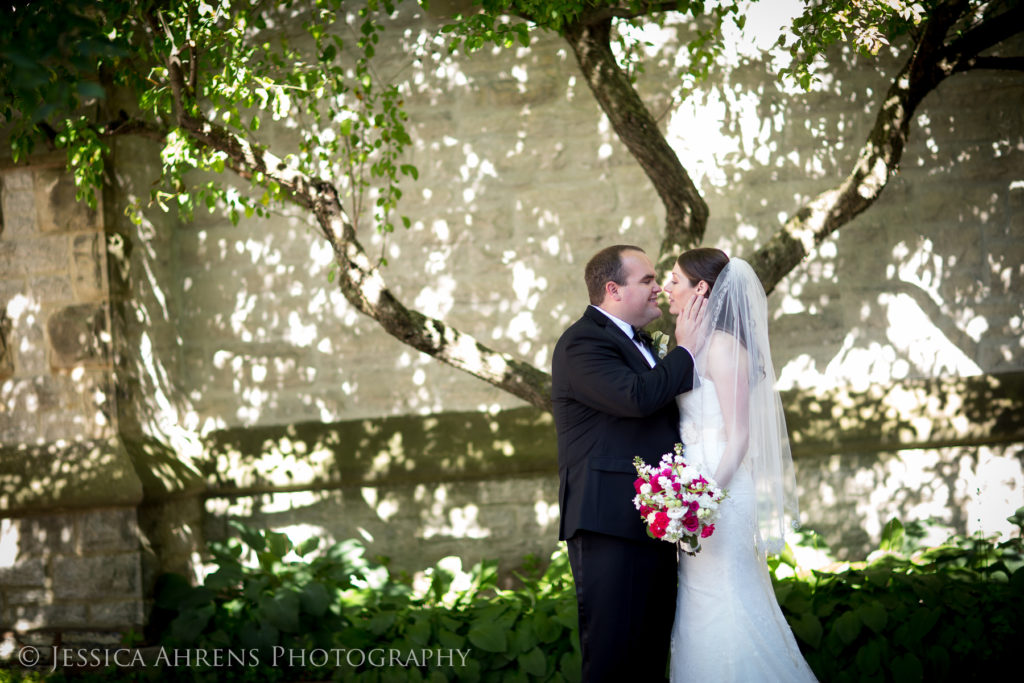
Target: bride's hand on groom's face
[(689, 322)]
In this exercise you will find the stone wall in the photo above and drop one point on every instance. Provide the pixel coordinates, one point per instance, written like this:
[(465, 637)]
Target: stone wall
[(159, 378), (70, 550), (76, 578), (55, 372)]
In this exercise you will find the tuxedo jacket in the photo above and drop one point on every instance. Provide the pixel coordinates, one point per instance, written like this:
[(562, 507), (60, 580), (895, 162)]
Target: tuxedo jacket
[(610, 406)]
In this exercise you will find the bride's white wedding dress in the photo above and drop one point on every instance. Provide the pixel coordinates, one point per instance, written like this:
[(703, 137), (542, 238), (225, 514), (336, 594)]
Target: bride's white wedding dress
[(728, 625)]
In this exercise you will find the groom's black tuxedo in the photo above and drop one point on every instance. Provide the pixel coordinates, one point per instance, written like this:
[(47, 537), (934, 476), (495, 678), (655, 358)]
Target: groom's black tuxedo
[(609, 406)]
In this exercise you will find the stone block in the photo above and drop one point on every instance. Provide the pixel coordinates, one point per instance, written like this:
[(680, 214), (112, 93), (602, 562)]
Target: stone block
[(27, 596), (65, 426), (29, 572), (31, 354), (32, 617), (80, 643), (87, 266), (17, 207), (120, 614), (50, 289), (35, 536), (102, 576), (44, 640), (56, 206), (6, 349), (95, 396), (78, 335), (38, 479), (109, 531), (34, 255)]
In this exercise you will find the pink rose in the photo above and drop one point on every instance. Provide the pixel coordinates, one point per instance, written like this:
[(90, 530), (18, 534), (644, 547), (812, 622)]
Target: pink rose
[(707, 531), (691, 523)]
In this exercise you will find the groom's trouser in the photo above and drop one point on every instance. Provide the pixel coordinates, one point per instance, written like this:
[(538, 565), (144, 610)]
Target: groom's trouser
[(626, 592)]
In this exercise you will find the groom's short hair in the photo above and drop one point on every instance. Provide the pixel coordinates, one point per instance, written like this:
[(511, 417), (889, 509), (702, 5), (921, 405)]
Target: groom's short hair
[(603, 267)]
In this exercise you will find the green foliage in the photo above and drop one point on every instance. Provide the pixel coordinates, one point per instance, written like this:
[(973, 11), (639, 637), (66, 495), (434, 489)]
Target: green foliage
[(507, 23), (51, 61), (266, 593), (945, 613), (866, 25), (232, 63)]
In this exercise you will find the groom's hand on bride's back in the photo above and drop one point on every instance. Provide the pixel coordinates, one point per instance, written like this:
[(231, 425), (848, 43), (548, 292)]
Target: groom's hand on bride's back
[(689, 322)]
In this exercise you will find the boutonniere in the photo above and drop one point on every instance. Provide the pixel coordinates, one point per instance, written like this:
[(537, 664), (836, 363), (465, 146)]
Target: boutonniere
[(660, 343)]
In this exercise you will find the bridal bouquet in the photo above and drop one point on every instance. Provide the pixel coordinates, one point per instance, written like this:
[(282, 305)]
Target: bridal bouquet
[(675, 500)]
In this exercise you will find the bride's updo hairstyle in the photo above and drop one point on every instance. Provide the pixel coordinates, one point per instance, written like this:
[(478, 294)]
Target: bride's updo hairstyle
[(707, 263), (702, 263)]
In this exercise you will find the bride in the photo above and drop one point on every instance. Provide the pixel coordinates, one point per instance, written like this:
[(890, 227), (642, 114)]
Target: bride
[(728, 625)]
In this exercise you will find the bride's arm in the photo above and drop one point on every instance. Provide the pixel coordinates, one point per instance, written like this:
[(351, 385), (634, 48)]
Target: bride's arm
[(727, 368)]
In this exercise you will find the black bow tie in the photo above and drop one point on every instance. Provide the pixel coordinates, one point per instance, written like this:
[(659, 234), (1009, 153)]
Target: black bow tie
[(643, 337)]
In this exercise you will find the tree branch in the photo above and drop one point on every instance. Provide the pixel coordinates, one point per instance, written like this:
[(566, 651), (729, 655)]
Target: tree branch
[(686, 213), (996, 63), (361, 281), (877, 162), (962, 53), (628, 11), (127, 126)]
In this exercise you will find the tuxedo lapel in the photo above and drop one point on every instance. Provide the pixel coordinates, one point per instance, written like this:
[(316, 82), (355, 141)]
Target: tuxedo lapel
[(633, 355)]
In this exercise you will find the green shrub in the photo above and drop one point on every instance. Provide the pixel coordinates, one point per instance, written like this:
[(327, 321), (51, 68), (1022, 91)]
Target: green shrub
[(951, 612), (948, 613), (341, 602)]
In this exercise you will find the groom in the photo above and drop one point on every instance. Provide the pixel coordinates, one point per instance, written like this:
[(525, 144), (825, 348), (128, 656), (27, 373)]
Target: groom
[(613, 400)]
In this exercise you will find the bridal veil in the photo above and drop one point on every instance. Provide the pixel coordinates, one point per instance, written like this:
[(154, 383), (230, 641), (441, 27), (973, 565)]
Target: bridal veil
[(736, 356)]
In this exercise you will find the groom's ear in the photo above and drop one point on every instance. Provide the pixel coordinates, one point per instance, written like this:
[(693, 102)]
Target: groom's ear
[(611, 290)]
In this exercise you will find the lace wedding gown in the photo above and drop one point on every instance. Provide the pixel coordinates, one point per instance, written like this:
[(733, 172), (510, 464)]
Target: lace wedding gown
[(728, 625)]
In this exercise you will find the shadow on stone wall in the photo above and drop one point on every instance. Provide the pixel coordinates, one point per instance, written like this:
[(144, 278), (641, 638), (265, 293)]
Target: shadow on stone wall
[(485, 486)]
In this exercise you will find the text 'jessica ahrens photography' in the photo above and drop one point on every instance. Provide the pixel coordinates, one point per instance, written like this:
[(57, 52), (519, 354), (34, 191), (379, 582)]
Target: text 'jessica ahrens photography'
[(64, 657)]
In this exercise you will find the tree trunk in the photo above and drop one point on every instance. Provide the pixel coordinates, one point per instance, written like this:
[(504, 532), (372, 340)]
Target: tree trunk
[(931, 61), (686, 213)]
